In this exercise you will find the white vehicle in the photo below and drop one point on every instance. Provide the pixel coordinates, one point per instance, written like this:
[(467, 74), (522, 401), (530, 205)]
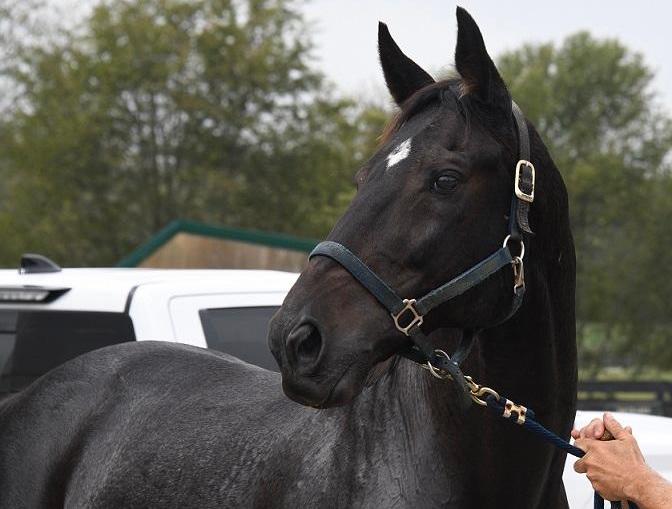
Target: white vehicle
[(48, 316)]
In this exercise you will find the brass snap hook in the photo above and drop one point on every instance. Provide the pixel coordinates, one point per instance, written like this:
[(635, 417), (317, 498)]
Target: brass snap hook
[(477, 392)]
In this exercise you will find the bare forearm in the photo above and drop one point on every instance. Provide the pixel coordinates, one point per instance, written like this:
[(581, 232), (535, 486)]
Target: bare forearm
[(649, 490)]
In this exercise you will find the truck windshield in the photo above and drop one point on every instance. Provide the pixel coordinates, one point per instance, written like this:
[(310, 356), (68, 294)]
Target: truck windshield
[(240, 332), (34, 342)]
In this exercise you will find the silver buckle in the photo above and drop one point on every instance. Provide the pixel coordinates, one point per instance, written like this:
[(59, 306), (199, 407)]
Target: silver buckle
[(417, 317), (528, 197)]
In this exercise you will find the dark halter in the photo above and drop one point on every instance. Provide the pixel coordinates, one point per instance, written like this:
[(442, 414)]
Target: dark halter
[(408, 314)]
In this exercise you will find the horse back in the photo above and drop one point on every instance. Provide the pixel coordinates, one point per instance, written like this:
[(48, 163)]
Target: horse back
[(143, 424)]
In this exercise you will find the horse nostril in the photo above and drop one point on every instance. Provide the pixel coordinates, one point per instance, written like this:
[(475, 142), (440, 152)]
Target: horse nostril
[(306, 341), (309, 348)]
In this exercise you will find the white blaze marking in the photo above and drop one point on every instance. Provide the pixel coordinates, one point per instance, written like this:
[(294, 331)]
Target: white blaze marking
[(399, 153)]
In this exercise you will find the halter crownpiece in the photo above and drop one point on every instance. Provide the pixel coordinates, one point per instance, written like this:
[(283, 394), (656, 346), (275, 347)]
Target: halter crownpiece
[(408, 314)]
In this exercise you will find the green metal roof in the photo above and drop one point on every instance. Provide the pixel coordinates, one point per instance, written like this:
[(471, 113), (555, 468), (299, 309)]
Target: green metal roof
[(183, 226)]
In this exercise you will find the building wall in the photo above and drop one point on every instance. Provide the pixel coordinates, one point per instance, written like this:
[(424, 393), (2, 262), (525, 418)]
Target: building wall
[(190, 251)]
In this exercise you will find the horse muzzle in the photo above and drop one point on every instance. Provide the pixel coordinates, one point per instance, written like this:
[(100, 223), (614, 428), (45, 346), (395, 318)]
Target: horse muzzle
[(316, 371)]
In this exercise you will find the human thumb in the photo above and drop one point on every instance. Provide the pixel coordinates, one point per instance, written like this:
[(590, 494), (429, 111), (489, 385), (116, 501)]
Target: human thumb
[(614, 427)]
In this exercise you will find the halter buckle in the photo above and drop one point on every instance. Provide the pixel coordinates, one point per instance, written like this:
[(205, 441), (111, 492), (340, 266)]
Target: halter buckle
[(417, 319), (520, 193)]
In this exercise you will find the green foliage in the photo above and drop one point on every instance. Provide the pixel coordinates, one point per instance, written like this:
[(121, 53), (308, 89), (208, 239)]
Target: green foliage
[(152, 110), (304, 190), (157, 109), (591, 101)]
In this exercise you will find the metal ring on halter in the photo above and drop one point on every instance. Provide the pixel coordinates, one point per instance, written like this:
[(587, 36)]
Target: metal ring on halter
[(436, 372), (521, 255)]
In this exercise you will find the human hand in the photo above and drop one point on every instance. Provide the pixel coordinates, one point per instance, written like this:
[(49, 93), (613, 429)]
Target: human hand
[(595, 429), (614, 466)]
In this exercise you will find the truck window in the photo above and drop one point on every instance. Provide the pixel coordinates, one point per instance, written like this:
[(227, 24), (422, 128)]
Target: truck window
[(34, 342), (240, 332)]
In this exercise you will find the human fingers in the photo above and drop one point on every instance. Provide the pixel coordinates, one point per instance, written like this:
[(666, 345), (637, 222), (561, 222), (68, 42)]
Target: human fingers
[(580, 466), (594, 429), (606, 436), (614, 426), (628, 429), (598, 428), (575, 433), (584, 443)]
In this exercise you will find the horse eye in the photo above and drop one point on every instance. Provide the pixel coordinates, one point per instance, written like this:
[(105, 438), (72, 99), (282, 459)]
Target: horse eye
[(445, 183)]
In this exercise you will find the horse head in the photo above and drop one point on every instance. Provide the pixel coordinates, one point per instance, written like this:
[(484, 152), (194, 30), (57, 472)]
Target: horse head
[(431, 203)]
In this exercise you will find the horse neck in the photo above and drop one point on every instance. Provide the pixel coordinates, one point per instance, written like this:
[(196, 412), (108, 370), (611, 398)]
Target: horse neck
[(413, 421), (408, 422), (532, 357)]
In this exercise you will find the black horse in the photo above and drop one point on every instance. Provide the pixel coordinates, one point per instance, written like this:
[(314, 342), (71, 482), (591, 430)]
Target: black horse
[(159, 425)]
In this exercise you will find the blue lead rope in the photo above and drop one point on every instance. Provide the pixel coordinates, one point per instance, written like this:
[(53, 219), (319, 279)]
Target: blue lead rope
[(530, 423)]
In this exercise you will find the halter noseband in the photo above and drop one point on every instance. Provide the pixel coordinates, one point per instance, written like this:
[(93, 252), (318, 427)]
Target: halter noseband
[(408, 314)]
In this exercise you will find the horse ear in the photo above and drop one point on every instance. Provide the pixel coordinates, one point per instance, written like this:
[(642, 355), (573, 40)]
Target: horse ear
[(478, 72), (403, 76)]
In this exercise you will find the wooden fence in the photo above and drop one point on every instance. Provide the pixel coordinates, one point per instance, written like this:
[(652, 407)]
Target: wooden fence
[(641, 397)]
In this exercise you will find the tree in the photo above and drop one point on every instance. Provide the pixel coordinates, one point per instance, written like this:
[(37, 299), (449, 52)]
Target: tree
[(592, 103), (157, 109), (307, 188)]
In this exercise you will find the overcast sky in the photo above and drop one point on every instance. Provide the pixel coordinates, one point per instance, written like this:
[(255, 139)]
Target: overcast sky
[(345, 32)]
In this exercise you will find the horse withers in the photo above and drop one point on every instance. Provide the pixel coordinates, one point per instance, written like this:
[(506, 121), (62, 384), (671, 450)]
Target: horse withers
[(158, 425)]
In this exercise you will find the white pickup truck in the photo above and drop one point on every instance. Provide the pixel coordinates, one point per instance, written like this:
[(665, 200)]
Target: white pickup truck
[(48, 316)]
